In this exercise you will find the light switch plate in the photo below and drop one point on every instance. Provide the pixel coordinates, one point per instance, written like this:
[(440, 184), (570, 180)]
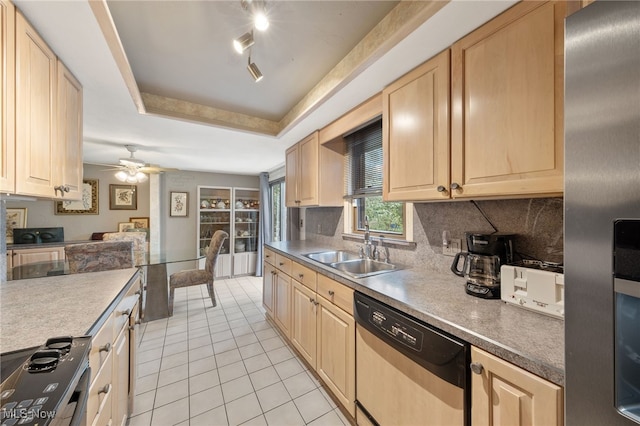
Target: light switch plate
[(454, 247)]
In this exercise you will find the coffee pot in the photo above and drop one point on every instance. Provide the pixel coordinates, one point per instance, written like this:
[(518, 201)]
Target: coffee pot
[(481, 268)]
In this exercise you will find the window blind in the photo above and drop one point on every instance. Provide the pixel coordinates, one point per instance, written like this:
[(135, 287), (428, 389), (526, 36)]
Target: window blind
[(363, 168)]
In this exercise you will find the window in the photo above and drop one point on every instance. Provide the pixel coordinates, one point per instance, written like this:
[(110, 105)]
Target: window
[(278, 211), (364, 185)]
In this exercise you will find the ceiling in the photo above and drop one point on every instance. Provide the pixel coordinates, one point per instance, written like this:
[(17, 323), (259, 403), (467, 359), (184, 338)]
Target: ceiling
[(163, 75)]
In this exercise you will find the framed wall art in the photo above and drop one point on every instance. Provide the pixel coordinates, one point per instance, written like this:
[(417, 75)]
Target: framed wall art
[(179, 204), (87, 205), (123, 197), (16, 218), (125, 226), (140, 222)]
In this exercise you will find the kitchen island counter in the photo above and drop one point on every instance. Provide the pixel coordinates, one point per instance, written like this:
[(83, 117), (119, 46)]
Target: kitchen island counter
[(530, 340), (33, 310)]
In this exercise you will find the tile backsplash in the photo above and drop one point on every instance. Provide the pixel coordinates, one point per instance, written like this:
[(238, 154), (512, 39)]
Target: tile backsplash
[(536, 222)]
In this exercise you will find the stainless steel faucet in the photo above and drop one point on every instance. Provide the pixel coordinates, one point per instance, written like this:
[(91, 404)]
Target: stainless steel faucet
[(368, 250)]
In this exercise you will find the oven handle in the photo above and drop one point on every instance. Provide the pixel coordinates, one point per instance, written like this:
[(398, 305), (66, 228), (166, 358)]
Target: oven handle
[(81, 394)]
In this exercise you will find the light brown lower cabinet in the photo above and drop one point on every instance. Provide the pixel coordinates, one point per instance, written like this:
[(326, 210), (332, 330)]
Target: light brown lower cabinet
[(268, 288), (503, 394), (321, 329), (112, 360), (33, 255)]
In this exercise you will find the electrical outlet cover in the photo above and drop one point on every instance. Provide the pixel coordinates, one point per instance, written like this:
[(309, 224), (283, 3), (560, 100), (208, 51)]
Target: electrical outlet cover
[(455, 246)]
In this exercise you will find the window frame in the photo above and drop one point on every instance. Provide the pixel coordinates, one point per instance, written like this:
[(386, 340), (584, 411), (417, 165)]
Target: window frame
[(350, 223)]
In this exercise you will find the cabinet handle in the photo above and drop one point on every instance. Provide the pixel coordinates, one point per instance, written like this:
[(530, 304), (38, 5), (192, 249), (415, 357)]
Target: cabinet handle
[(139, 292), (301, 276), (331, 293), (455, 186), (281, 264), (477, 367), (126, 312), (316, 303), (105, 348), (105, 389), (442, 189), (311, 299)]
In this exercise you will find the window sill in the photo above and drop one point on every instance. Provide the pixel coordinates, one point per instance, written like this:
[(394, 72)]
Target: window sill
[(387, 241)]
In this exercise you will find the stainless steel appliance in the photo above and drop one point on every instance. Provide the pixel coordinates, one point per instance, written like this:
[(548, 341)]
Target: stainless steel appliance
[(408, 373), (486, 253), (534, 285), (48, 387), (602, 247)]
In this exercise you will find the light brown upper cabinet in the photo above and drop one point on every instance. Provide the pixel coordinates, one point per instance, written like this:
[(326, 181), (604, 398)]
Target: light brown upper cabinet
[(7, 97), (35, 112), (507, 105), (48, 110), (69, 142), (314, 174), (415, 125)]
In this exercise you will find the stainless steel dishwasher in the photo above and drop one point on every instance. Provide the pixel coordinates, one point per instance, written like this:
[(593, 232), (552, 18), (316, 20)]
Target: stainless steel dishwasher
[(407, 372)]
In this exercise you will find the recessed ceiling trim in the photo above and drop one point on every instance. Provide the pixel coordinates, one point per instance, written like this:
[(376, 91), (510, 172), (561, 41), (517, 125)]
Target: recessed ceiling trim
[(102, 13), (405, 18), (189, 111)]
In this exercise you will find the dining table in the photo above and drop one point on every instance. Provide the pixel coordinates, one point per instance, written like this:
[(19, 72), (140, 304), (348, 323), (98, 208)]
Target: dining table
[(155, 295)]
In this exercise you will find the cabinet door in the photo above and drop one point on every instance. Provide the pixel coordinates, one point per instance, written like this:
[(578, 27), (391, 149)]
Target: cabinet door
[(24, 256), (504, 394), (336, 353), (120, 397), (69, 140), (303, 324), (7, 97), (268, 288), (308, 170), (223, 266), (9, 260), (507, 104), (35, 105), (291, 177), (283, 303), (416, 133)]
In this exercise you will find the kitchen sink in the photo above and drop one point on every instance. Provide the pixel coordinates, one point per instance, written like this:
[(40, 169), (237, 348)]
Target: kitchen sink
[(360, 268), (351, 263), (333, 256)]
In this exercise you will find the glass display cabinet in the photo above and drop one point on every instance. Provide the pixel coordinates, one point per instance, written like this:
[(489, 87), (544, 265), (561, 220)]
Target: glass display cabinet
[(245, 230)]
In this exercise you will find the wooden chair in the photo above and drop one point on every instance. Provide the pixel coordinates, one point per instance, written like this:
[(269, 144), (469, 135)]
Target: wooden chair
[(199, 276), (99, 256)]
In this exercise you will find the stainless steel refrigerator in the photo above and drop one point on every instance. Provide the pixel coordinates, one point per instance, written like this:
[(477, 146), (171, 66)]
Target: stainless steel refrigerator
[(602, 214)]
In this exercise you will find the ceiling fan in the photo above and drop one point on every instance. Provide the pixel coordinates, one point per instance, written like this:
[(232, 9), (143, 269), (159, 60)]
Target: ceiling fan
[(133, 170)]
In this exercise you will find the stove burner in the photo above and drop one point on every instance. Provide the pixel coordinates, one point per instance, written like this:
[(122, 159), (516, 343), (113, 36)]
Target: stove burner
[(44, 360), (63, 347)]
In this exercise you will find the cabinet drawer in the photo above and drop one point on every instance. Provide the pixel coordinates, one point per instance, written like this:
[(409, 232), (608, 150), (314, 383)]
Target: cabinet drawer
[(99, 400), (269, 256), (122, 312), (101, 346), (339, 294), (304, 275), (283, 263), (136, 288)]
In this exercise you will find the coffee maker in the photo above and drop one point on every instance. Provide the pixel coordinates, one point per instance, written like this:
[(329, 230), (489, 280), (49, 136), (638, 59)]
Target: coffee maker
[(486, 254)]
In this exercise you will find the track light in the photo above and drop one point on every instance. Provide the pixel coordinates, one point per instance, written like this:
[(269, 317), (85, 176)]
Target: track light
[(243, 42), (260, 20), (254, 71)]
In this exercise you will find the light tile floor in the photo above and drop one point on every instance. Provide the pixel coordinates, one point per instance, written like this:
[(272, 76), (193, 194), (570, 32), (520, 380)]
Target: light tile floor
[(224, 366)]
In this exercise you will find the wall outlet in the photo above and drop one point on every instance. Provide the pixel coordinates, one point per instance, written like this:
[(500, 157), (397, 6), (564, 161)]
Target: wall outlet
[(455, 245)]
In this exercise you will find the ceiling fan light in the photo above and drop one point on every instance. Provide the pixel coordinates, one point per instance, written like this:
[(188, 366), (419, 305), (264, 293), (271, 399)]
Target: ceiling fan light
[(254, 71), (243, 42), (141, 177), (122, 175), (260, 21), (132, 179)]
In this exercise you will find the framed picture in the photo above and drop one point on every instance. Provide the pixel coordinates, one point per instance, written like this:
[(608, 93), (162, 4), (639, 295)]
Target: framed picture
[(140, 222), (124, 226), (123, 197), (179, 204), (87, 205), (16, 218)]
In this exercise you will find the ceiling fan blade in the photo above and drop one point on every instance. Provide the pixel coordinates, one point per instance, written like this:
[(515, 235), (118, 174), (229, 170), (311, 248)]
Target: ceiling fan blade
[(156, 169)]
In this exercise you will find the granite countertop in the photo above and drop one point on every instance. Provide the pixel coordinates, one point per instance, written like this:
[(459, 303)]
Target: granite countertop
[(33, 310), (532, 341)]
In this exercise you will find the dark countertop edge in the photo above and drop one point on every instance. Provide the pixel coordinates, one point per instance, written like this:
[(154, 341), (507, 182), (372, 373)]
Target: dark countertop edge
[(542, 369), (112, 306)]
